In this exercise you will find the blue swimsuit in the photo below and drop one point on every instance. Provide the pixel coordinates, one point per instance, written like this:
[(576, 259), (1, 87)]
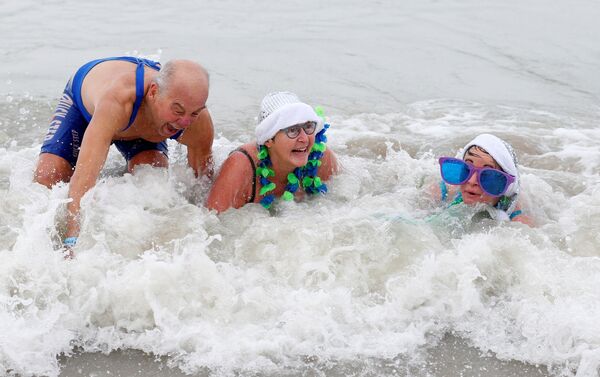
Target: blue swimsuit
[(71, 118)]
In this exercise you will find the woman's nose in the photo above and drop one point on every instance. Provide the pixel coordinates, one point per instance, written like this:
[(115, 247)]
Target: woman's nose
[(473, 180), (302, 136)]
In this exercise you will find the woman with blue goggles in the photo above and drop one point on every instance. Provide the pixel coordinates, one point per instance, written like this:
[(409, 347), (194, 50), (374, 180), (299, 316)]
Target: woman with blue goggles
[(485, 172)]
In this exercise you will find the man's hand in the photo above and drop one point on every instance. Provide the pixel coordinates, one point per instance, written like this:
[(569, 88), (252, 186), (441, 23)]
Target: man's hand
[(68, 245)]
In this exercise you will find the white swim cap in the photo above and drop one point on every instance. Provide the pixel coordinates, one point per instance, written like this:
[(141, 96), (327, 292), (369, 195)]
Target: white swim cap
[(502, 152)]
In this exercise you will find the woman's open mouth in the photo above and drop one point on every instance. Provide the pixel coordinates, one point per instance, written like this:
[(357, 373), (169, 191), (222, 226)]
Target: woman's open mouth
[(476, 196)]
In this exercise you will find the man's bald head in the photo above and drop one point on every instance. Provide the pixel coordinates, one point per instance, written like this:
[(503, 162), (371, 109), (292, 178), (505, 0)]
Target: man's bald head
[(182, 73)]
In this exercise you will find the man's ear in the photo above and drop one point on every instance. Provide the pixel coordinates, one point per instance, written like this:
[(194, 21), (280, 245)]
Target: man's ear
[(152, 90), (269, 143)]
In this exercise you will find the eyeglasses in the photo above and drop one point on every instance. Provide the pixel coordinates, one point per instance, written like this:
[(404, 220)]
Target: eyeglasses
[(293, 131), (493, 182)]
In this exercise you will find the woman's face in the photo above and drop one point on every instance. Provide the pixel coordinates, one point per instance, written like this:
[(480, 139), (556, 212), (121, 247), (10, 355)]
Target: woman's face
[(470, 190), (292, 145)]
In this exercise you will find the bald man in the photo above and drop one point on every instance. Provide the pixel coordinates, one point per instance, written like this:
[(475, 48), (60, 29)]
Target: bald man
[(134, 104)]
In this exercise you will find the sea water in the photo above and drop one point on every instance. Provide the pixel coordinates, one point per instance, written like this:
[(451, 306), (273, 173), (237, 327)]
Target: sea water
[(372, 279)]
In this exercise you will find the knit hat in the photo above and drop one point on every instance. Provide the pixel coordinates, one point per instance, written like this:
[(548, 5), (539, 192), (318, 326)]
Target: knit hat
[(279, 110)]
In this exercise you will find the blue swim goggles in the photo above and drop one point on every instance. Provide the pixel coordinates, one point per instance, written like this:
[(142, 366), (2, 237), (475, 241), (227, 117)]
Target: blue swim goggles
[(493, 182)]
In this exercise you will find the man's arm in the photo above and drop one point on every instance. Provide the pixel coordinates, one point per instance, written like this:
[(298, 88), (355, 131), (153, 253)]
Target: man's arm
[(198, 138), (108, 118)]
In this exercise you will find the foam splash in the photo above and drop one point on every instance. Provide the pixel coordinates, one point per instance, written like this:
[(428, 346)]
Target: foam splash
[(356, 275)]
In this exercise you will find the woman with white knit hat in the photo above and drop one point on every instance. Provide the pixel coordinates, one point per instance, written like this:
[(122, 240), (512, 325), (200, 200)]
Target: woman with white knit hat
[(485, 171), (289, 158)]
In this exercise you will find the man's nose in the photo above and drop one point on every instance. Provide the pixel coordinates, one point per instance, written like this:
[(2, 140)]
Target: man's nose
[(184, 121)]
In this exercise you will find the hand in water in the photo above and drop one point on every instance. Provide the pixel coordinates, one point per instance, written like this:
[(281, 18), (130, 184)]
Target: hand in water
[(68, 245), (67, 252)]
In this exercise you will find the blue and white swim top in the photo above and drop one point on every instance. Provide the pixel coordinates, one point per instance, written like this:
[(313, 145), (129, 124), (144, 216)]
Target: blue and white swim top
[(505, 204)]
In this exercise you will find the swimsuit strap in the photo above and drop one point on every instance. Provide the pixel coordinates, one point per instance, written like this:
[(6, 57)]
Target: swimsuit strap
[(515, 214), (76, 81), (443, 191), (139, 84), (457, 199), (253, 165), (176, 136), (139, 91)]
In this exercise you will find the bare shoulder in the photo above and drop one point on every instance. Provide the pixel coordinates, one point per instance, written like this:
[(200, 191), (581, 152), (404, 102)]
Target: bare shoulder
[(234, 183), (435, 191), (238, 163), (329, 165), (110, 81), (110, 112), (199, 134)]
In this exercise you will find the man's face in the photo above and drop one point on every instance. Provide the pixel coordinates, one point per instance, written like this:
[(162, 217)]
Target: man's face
[(177, 107)]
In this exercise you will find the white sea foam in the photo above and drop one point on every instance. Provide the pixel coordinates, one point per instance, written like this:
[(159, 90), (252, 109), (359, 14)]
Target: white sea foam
[(359, 273), (376, 272)]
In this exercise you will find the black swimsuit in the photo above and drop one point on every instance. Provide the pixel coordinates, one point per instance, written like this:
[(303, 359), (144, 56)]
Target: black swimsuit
[(253, 165)]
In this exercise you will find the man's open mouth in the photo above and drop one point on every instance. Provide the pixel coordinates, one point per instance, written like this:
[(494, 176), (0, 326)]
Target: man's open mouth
[(171, 128)]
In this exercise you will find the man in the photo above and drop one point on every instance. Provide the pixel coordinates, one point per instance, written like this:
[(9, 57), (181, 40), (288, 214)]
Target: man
[(129, 102)]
